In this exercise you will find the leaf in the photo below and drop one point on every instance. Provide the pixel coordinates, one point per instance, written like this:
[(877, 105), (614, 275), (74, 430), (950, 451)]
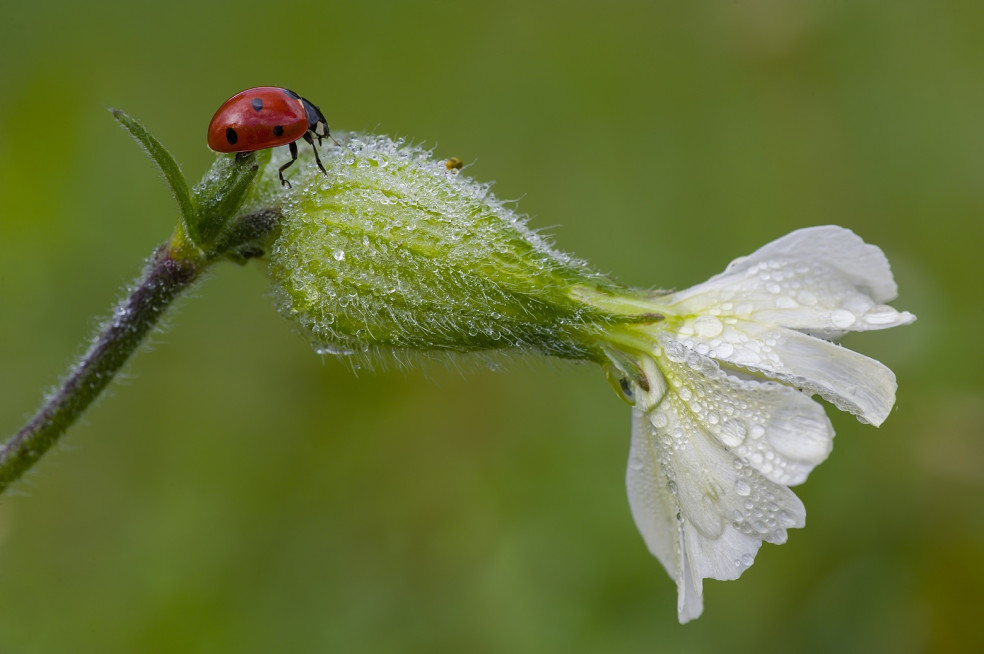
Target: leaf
[(167, 165)]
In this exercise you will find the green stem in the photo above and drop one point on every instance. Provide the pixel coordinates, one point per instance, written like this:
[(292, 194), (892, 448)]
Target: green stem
[(172, 268), (164, 278)]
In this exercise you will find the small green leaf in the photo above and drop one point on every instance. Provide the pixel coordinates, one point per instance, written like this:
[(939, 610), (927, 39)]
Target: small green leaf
[(221, 192), (167, 165)]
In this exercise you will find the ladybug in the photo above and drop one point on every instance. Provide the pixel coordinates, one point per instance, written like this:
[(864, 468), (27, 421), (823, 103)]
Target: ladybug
[(265, 117)]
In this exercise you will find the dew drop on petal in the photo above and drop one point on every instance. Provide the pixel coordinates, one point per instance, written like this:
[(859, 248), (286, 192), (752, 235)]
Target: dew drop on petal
[(889, 317), (708, 326), (842, 318), (742, 488), (732, 433), (806, 298), (724, 350)]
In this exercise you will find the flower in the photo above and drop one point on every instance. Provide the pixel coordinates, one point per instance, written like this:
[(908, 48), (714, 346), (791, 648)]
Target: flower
[(723, 421), (396, 252)]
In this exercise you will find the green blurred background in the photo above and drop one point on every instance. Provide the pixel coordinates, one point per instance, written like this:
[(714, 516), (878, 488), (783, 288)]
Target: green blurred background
[(234, 493)]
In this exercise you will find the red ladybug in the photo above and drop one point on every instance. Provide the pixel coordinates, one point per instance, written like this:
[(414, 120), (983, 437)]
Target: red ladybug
[(266, 117)]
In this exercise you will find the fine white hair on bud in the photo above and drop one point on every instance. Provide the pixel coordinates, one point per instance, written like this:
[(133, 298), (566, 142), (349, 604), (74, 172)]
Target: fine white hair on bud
[(396, 251)]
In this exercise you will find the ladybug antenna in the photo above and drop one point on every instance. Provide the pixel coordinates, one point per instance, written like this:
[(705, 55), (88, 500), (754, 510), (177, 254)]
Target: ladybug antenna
[(329, 136)]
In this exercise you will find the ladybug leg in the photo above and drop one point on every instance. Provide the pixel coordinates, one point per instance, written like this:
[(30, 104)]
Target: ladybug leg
[(293, 158), (307, 137)]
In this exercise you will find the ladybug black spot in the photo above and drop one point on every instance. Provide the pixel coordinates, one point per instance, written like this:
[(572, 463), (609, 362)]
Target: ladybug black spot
[(278, 130), (257, 104), (231, 136)]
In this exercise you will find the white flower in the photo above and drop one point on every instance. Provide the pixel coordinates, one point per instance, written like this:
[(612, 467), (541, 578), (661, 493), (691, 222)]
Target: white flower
[(723, 419), (396, 254)]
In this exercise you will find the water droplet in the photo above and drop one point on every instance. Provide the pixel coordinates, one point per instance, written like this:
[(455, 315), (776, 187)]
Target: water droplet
[(842, 318), (742, 488), (336, 350), (732, 433), (887, 317), (723, 351), (806, 298), (794, 436), (708, 326), (339, 255)]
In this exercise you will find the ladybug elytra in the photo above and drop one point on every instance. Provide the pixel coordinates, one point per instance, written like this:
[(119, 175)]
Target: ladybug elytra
[(265, 117)]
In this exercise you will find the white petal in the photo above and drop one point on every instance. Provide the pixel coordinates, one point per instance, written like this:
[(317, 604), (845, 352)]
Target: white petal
[(851, 381), (864, 265), (810, 289), (701, 509), (778, 430)]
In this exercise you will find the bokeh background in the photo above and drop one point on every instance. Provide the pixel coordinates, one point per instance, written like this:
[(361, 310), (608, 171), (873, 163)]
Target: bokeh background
[(237, 493)]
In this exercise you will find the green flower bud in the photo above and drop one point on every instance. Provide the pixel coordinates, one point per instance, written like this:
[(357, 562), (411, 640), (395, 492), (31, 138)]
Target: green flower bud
[(396, 251)]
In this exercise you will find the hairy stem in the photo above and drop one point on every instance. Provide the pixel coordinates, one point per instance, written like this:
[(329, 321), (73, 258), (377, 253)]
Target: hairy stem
[(164, 278), (172, 268)]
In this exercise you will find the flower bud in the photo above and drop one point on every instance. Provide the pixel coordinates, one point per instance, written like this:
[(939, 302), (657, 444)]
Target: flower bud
[(396, 251)]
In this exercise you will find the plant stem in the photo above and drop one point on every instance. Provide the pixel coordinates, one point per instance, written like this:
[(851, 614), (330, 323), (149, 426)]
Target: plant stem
[(164, 278), (172, 268)]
